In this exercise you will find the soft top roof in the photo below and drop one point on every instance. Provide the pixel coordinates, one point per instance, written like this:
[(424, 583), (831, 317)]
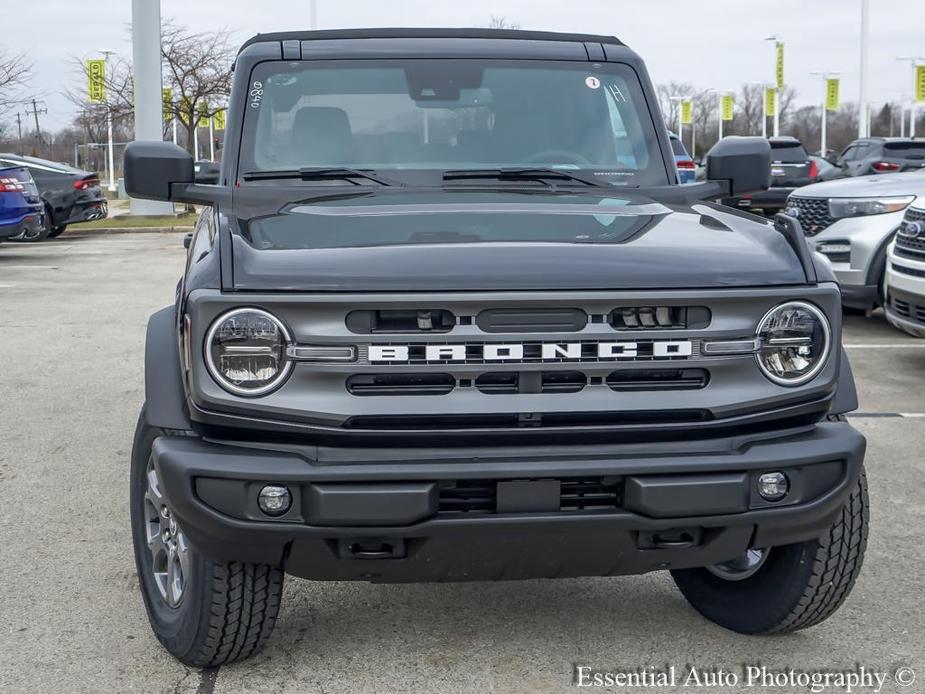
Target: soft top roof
[(458, 33)]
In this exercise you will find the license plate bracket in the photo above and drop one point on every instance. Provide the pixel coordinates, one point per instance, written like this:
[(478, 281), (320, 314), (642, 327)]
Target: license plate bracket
[(528, 496)]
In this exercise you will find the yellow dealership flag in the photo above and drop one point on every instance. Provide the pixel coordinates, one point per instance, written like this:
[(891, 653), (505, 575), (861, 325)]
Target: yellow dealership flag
[(96, 81), (831, 94), (203, 117), (770, 101), (687, 111), (779, 65), (920, 83), (219, 120), (728, 107), (167, 98)]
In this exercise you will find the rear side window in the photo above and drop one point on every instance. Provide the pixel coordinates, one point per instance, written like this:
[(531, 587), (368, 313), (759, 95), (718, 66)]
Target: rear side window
[(789, 153), (912, 150), (18, 174), (677, 148)]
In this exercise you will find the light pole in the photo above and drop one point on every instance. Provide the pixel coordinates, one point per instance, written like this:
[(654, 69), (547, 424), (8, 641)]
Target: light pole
[(914, 61), (313, 13), (680, 100), (149, 96), (112, 173), (862, 97), (825, 85), (778, 83)]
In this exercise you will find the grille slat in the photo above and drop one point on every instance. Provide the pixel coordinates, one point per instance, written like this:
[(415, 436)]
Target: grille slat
[(813, 214), (576, 495)]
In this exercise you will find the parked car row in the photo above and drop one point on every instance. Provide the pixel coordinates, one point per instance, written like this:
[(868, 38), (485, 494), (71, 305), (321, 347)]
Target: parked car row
[(872, 231), (65, 195)]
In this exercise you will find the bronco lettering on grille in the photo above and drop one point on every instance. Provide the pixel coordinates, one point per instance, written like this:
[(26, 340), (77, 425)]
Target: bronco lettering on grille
[(530, 351)]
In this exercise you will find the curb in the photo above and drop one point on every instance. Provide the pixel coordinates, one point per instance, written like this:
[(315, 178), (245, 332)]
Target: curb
[(102, 231)]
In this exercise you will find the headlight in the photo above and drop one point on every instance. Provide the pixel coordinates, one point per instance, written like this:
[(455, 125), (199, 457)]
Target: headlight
[(795, 340), (245, 351), (839, 208)]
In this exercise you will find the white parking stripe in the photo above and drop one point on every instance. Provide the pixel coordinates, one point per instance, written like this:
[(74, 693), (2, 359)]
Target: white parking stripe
[(899, 345)]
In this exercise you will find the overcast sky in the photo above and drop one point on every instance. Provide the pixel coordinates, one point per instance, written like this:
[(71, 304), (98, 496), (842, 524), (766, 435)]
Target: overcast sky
[(711, 43)]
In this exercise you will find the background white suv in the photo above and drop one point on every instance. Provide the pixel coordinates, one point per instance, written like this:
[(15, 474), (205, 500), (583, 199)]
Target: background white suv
[(905, 273), (851, 222)]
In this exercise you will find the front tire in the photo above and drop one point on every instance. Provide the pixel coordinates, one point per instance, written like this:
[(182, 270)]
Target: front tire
[(205, 613), (795, 587)]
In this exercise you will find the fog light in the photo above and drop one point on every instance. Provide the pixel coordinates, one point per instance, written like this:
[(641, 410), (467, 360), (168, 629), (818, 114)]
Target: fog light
[(773, 486), (274, 500)]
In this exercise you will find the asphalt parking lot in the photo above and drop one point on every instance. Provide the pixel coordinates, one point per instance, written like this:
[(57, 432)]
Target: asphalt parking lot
[(72, 321)]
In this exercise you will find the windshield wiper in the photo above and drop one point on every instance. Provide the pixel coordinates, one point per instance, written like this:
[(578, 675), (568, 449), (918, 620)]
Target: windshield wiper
[(517, 173), (312, 173)]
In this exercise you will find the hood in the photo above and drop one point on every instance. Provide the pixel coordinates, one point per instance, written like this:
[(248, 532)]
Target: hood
[(911, 183), (445, 240)]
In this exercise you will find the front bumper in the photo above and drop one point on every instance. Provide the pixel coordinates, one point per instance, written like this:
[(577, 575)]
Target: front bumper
[(488, 513), (905, 279)]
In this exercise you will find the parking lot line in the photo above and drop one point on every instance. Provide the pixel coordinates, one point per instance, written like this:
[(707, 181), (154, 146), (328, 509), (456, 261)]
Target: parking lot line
[(897, 345)]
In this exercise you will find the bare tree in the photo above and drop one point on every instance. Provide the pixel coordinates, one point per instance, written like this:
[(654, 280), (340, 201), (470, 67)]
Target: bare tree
[(197, 68), (502, 22), (15, 72)]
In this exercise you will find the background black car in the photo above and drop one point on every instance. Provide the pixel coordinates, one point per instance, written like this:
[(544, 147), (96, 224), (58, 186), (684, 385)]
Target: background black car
[(791, 167), (876, 155), (70, 195)]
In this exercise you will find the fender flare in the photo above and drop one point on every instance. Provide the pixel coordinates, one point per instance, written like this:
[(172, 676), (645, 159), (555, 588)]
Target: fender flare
[(165, 397), (846, 393)]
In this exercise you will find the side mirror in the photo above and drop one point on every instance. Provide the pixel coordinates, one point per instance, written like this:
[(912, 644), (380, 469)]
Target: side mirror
[(151, 168), (742, 164)]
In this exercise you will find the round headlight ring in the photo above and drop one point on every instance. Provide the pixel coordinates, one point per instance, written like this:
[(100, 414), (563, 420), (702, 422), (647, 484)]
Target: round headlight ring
[(826, 344), (216, 373)]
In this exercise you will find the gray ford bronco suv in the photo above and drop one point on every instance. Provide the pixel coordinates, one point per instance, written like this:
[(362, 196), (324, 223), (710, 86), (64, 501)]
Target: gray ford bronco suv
[(447, 315)]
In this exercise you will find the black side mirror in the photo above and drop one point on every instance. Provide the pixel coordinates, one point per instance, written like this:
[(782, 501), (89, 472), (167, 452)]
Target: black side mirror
[(151, 168), (741, 164)]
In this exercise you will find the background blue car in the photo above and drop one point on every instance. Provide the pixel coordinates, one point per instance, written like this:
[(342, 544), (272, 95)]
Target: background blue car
[(687, 169), (21, 210)]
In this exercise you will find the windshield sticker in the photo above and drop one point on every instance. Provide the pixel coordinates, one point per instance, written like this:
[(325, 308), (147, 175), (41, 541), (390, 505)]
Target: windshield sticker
[(617, 94), (256, 94), (592, 82)]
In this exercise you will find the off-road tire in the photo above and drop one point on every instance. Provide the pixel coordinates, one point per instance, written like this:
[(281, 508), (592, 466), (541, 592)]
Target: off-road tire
[(228, 609), (798, 586)]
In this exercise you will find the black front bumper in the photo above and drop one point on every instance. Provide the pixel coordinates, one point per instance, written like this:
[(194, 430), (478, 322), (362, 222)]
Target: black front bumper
[(508, 512)]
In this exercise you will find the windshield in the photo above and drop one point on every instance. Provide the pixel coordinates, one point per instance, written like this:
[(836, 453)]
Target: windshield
[(437, 115)]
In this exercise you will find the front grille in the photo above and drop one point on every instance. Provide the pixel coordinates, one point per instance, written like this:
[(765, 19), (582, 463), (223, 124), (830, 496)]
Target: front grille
[(908, 270), (813, 214), (911, 246), (657, 379), (576, 495), (660, 317), (907, 309)]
